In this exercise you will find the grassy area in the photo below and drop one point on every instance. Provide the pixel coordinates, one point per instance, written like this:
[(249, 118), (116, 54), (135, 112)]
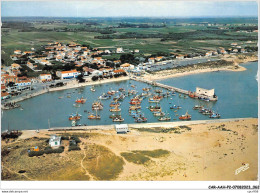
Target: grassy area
[(65, 166), (142, 157), (155, 153), (102, 163)]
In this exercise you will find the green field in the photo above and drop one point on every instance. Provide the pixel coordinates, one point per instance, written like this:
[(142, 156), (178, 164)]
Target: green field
[(198, 37)]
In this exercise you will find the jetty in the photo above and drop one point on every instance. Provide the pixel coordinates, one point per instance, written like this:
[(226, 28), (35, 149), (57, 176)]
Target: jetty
[(199, 94)]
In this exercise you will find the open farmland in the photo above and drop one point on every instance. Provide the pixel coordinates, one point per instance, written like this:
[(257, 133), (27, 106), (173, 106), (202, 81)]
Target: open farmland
[(150, 36)]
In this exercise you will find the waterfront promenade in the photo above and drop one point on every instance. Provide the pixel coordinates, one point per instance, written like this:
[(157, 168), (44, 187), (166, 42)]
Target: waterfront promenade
[(70, 85)]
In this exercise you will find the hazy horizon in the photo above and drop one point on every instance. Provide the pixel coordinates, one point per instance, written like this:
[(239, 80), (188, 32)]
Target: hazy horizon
[(119, 9)]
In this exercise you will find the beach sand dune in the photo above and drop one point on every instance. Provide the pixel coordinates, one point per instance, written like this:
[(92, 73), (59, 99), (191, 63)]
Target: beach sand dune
[(195, 151)]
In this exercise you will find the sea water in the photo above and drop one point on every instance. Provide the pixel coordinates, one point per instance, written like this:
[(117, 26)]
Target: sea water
[(237, 98)]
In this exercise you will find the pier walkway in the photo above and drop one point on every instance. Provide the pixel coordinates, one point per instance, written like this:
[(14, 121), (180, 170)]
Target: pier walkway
[(171, 88)]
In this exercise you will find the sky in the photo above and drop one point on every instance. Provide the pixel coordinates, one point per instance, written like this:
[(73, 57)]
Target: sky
[(129, 8)]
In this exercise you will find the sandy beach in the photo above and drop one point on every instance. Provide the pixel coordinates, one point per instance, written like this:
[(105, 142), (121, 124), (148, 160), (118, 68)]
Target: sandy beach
[(197, 150), (235, 67)]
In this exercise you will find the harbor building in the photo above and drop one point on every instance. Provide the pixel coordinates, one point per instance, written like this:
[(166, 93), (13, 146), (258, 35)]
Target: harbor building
[(209, 94), (68, 74)]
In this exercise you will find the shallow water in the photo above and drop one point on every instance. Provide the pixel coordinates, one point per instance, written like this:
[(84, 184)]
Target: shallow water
[(237, 92)]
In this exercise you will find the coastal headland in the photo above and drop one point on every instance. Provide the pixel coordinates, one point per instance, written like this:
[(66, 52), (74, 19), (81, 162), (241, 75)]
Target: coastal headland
[(197, 150)]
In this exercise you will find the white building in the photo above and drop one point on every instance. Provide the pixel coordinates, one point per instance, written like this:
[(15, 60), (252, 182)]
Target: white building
[(68, 74), (122, 128), (97, 73), (45, 77), (119, 50), (210, 94), (17, 52), (55, 141), (23, 85)]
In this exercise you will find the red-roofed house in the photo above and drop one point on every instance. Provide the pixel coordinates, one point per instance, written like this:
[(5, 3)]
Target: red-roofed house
[(120, 71), (68, 74), (45, 77)]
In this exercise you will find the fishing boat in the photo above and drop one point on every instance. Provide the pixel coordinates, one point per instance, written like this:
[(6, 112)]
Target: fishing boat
[(144, 94), (134, 114), (158, 114), (114, 104), (121, 97), (112, 92), (140, 119), (135, 107), (114, 116), (74, 117), (158, 90), (135, 102), (203, 110), (192, 94), (92, 116), (196, 107), (214, 115), (118, 119), (116, 109), (77, 105), (92, 89), (152, 100), (204, 99), (121, 89), (185, 117), (81, 100), (104, 96), (133, 86), (175, 107), (164, 118), (207, 112), (68, 96), (146, 89), (21, 109), (97, 106), (61, 97), (155, 108)]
